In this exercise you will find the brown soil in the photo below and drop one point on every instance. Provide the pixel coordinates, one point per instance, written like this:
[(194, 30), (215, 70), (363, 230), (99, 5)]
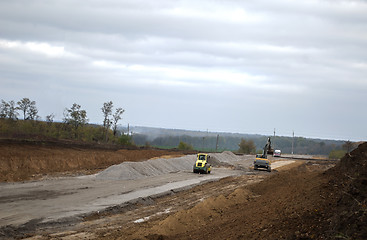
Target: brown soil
[(308, 201), (25, 160), (304, 201)]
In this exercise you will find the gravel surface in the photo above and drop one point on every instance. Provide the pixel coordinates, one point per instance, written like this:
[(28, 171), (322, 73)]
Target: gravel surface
[(156, 167)]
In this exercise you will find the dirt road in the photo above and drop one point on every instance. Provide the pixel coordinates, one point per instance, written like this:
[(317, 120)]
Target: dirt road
[(52, 200)]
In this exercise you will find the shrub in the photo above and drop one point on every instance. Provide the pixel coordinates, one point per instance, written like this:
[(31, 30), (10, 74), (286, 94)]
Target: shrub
[(337, 154), (184, 146), (247, 147), (125, 140)]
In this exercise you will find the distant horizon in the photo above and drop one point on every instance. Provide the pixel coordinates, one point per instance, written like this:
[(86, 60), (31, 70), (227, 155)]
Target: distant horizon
[(215, 132)]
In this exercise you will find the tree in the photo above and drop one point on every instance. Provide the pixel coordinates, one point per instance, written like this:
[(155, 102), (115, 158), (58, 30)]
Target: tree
[(76, 117), (107, 112), (107, 121), (50, 118), (116, 117), (247, 147), (4, 109), (125, 140), (28, 108), (32, 113), (8, 110), (184, 146)]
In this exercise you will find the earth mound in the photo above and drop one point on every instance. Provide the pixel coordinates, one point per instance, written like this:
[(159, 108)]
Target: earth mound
[(350, 177), (159, 166), (224, 159)]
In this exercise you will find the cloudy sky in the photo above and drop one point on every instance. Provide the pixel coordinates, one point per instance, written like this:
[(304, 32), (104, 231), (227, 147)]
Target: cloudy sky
[(222, 65)]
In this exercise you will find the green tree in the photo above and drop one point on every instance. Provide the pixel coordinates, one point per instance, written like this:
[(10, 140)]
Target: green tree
[(247, 147), (28, 108), (125, 140), (184, 146), (8, 110), (4, 109), (75, 117)]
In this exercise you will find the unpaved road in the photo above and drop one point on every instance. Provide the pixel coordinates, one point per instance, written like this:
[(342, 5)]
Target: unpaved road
[(67, 200), (52, 200)]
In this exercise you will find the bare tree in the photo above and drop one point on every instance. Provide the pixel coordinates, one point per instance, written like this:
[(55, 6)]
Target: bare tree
[(50, 118), (116, 117)]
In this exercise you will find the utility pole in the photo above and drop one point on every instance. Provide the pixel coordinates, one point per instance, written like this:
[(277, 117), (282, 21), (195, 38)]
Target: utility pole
[(216, 145), (292, 142), (274, 140)]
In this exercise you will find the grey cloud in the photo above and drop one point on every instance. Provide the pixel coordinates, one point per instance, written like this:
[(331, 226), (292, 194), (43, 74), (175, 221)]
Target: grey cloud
[(152, 56)]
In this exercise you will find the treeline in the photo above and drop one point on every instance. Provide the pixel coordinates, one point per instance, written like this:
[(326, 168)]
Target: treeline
[(21, 120), (226, 142)]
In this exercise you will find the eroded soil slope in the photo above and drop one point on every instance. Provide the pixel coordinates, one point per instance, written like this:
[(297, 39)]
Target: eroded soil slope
[(21, 161)]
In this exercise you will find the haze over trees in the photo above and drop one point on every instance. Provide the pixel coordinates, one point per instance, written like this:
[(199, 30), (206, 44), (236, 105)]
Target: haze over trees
[(209, 141)]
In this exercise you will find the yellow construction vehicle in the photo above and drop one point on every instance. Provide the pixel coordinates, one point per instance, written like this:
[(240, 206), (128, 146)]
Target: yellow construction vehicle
[(202, 165), (262, 160)]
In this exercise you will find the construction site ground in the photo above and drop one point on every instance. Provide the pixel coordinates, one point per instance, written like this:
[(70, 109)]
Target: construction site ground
[(56, 199)]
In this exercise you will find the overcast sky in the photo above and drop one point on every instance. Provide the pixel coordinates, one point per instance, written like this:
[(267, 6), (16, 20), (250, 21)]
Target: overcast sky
[(224, 65)]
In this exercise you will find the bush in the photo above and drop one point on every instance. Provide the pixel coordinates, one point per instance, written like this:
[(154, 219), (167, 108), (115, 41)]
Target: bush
[(247, 147), (184, 146), (337, 154), (125, 140)]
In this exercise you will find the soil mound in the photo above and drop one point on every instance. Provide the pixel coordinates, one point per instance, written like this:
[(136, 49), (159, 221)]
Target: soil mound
[(159, 166), (225, 158), (154, 167), (201, 215), (350, 178)]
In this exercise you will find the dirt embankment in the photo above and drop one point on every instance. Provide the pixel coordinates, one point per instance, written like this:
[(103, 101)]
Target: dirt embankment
[(21, 161), (306, 202)]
